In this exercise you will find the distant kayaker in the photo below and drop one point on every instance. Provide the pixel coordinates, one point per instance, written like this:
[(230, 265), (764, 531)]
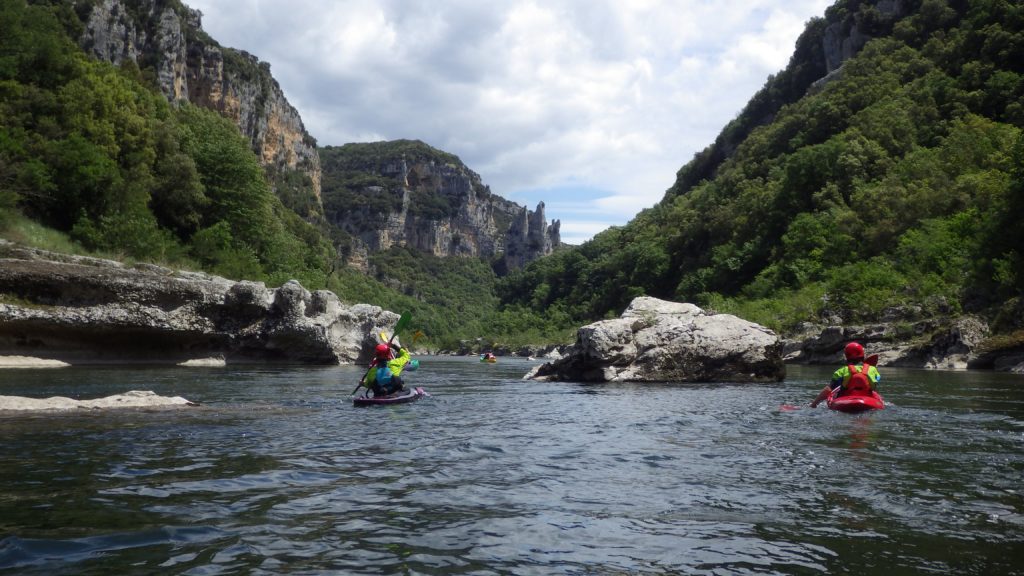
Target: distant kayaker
[(385, 374), (841, 378)]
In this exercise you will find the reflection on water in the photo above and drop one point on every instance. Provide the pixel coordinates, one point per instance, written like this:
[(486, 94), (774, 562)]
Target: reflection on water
[(276, 472)]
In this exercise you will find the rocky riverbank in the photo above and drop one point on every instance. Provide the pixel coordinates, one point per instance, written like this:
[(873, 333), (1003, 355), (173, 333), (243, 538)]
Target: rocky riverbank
[(56, 308), (657, 340), (955, 343)]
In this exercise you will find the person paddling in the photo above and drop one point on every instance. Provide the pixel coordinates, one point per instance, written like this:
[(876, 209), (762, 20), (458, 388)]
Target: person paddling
[(385, 374), (851, 376)]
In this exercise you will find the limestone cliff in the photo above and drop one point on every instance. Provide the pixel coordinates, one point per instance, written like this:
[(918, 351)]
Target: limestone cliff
[(165, 38), (406, 193), (530, 237), (847, 33), (418, 197)]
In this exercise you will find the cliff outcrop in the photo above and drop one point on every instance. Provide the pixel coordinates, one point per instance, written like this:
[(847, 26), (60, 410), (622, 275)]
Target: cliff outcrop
[(529, 237), (406, 193), (434, 204), (81, 310), (166, 38)]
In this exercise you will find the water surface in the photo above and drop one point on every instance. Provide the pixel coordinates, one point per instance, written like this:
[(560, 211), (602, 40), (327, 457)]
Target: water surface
[(277, 473)]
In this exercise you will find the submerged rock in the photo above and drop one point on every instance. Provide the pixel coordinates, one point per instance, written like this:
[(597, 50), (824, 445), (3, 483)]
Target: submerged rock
[(660, 341), (131, 399)]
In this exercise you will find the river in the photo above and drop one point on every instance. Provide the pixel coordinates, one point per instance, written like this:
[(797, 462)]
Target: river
[(277, 473)]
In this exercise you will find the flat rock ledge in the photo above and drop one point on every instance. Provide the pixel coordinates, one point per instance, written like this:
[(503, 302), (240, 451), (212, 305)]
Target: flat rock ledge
[(30, 362), (660, 341), (57, 308), (132, 399)]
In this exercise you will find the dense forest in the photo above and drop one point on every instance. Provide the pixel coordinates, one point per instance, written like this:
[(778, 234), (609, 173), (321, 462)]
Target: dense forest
[(893, 186), (896, 186)]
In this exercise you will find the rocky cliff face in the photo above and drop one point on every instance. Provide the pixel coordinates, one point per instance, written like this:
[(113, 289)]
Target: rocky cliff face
[(435, 204), (167, 38), (530, 236), (844, 37), (406, 193)]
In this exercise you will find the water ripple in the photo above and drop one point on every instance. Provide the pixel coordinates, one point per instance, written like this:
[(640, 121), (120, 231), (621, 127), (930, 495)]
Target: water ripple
[(277, 473)]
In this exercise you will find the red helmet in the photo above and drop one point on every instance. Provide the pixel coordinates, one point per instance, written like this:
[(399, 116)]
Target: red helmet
[(382, 350), (854, 351)]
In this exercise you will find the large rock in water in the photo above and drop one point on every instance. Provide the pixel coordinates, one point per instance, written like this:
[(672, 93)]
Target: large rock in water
[(87, 310), (659, 341)]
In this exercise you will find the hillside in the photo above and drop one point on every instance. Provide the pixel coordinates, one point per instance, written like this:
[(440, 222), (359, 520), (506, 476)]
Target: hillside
[(127, 132), (878, 176), (119, 160)]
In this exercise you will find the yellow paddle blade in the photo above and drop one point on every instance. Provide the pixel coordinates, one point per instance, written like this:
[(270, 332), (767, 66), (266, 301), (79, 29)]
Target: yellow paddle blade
[(383, 337)]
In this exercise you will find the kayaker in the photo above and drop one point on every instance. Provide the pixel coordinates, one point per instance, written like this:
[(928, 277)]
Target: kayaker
[(854, 353), (385, 374)]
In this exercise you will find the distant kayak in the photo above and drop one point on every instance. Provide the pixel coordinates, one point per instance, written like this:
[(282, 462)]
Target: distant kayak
[(410, 395), (491, 360), (854, 403)]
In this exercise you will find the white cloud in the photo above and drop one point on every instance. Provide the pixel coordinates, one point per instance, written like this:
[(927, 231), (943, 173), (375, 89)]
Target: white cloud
[(533, 95), (577, 232)]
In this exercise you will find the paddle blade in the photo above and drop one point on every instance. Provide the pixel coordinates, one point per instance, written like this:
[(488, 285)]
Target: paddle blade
[(872, 360), (403, 322)]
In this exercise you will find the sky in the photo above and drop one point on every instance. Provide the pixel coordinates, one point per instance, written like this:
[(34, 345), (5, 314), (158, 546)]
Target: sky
[(590, 106)]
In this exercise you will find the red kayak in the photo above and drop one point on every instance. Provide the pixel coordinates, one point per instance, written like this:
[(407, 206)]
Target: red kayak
[(855, 401), (410, 395)]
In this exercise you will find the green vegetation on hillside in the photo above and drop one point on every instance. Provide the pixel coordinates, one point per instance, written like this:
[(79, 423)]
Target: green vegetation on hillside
[(362, 182), (450, 299), (88, 149), (897, 183)]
